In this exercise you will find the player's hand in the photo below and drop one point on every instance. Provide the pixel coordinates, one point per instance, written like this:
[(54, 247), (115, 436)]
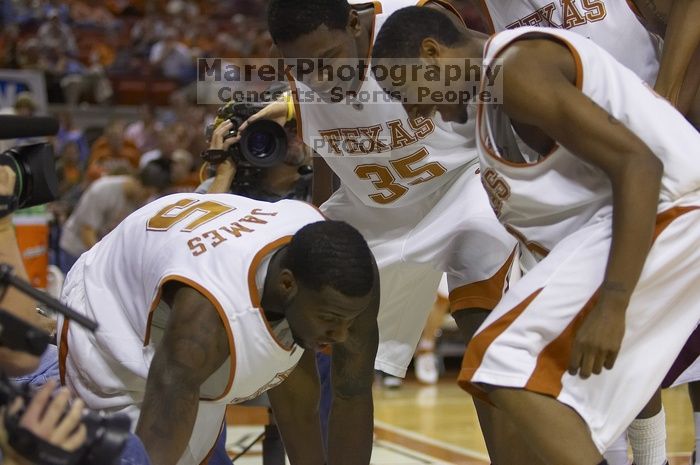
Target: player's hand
[(599, 338), (275, 111)]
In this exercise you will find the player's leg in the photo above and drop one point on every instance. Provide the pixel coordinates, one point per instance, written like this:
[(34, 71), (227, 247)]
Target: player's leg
[(506, 446), (694, 393), (425, 361), (561, 436), (647, 433)]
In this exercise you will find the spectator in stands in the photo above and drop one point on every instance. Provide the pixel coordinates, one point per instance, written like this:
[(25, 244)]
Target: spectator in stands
[(69, 133), (112, 152), (9, 47), (167, 143), (173, 59), (146, 32), (55, 6), (29, 54), (56, 35), (144, 132), (92, 14), (103, 205)]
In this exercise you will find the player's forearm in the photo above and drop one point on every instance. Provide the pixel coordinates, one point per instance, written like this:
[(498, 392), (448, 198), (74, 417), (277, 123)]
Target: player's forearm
[(322, 186), (301, 433), (681, 40), (351, 428), (635, 203), (167, 416)]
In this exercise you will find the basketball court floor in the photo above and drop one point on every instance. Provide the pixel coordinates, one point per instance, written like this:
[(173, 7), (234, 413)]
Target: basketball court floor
[(437, 425)]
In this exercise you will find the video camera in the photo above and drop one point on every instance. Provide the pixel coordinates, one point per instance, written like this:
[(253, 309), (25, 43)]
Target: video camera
[(106, 435), (35, 172)]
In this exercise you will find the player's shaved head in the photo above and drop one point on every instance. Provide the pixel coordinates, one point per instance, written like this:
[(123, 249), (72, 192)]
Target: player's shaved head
[(331, 254), (400, 38), (288, 20)]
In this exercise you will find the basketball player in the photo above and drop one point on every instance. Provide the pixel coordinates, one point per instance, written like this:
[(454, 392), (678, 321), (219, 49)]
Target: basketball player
[(409, 186), (206, 300), (674, 73), (516, 359)]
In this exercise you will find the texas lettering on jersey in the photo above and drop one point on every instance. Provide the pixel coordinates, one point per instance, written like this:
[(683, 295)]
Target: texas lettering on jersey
[(572, 14), (374, 139)]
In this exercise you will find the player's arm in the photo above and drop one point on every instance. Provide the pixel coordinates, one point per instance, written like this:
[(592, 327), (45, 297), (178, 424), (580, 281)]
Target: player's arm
[(546, 75), (322, 185), (295, 403), (194, 345), (681, 42), (351, 423)]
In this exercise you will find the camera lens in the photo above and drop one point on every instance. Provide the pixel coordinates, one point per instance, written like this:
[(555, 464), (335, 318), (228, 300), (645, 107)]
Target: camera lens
[(264, 144), (261, 144)]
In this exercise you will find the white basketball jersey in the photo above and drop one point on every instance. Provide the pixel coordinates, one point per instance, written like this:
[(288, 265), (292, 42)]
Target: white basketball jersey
[(383, 157), (570, 192), (609, 23), (214, 243)]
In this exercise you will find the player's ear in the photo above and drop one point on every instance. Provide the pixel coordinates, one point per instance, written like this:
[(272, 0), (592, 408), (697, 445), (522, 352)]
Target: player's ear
[(287, 285), (354, 23), (430, 49)]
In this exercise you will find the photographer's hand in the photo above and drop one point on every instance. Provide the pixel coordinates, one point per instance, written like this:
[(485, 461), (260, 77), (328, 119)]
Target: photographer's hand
[(226, 170), (45, 418)]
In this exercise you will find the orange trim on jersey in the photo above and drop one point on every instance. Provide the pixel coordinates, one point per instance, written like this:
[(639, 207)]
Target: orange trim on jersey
[(297, 107), (532, 246), (480, 107), (63, 352), (483, 294), (253, 288), (476, 350), (222, 315), (553, 360), (446, 5), (635, 9)]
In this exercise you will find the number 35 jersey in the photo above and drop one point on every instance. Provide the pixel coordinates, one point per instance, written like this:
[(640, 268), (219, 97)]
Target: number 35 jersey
[(385, 158), (212, 243)]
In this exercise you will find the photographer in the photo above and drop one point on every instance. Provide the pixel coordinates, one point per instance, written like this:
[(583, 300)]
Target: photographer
[(43, 414)]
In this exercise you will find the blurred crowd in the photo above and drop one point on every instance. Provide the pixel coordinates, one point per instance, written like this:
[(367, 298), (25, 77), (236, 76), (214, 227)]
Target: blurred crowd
[(82, 46)]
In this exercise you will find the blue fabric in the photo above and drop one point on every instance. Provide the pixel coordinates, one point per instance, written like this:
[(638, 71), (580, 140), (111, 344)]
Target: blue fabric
[(66, 261), (323, 362), (133, 454), (48, 369), (219, 455)]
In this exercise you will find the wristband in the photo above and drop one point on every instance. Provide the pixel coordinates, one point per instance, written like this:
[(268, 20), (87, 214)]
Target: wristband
[(291, 111)]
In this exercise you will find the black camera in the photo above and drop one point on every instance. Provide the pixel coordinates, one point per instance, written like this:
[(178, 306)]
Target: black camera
[(105, 439), (263, 144), (36, 181), (106, 435)]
